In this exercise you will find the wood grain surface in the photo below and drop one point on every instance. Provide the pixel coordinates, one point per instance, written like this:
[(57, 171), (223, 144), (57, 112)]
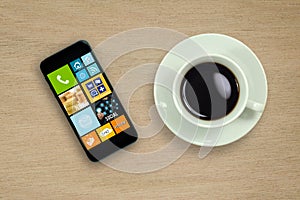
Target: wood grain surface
[(42, 159)]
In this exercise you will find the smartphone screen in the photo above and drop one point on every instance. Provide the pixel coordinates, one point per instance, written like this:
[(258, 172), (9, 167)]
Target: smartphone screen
[(88, 100)]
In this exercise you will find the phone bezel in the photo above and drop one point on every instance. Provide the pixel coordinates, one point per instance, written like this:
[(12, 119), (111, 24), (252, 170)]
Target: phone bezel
[(65, 56)]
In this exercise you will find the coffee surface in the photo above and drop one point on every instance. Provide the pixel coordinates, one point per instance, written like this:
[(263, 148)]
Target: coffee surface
[(209, 91)]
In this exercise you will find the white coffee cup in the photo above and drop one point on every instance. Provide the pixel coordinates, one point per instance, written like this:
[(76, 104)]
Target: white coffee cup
[(242, 103)]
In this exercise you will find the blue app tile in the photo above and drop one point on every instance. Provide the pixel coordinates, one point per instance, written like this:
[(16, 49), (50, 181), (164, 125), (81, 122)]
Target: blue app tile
[(85, 121), (82, 75), (89, 85), (87, 59), (94, 93), (97, 81), (101, 89), (93, 69), (76, 65)]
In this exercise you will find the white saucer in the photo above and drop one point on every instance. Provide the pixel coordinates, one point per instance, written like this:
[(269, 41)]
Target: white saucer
[(173, 62)]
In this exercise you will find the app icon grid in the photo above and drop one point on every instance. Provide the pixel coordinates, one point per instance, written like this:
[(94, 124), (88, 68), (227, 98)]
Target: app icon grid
[(84, 119)]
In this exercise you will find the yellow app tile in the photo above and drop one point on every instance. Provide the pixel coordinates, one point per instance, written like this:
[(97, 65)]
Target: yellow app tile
[(90, 140), (105, 132), (96, 88)]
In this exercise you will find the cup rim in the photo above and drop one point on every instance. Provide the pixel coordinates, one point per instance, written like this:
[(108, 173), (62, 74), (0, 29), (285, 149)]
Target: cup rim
[(243, 95)]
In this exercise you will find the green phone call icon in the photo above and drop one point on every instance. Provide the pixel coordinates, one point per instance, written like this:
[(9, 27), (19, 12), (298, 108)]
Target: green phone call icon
[(66, 82), (62, 79)]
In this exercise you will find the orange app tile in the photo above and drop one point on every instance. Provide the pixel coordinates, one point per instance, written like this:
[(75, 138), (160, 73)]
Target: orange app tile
[(90, 140), (105, 132), (120, 124)]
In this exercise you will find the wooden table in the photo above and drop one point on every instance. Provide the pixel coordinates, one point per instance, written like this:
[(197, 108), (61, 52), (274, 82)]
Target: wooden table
[(41, 158)]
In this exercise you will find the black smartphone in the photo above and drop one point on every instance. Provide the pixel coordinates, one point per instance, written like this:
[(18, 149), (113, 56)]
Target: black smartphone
[(88, 100)]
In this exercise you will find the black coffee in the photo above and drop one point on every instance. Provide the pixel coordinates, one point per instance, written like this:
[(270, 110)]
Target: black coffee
[(209, 91)]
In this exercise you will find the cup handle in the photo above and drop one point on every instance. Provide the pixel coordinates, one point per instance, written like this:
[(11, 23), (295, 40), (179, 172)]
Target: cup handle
[(255, 106)]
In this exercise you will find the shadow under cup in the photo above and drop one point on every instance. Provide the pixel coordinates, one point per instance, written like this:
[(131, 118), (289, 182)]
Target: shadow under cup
[(209, 91)]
